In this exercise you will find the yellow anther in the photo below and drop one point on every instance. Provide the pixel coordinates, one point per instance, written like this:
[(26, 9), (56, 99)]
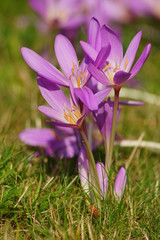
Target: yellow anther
[(73, 69), (83, 74), (66, 116), (78, 81), (107, 66), (70, 116), (115, 69), (125, 65), (111, 77), (74, 107)]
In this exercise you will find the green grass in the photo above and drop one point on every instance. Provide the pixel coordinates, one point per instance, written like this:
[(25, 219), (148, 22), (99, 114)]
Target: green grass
[(38, 199)]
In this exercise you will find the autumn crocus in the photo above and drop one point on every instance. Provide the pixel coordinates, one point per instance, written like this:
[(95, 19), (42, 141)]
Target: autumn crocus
[(120, 183), (62, 14), (117, 69), (75, 76), (85, 175), (60, 142)]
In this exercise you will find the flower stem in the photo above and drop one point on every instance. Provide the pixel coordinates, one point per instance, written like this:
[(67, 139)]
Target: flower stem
[(92, 165), (108, 159)]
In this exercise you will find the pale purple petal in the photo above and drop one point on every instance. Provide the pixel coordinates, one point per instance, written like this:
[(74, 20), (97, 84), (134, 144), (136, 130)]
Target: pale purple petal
[(136, 68), (104, 117), (52, 113), (66, 148), (102, 56), (94, 34), (121, 77), (65, 54), (103, 179), (39, 7), (37, 136), (62, 124), (89, 50), (87, 97), (131, 103), (99, 75), (109, 36), (101, 95), (83, 170), (53, 94), (120, 183), (131, 52), (43, 67)]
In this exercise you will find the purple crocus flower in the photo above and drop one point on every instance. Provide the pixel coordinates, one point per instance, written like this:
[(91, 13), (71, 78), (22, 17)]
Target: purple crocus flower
[(120, 183), (117, 69), (103, 119), (84, 174), (63, 14), (103, 179), (60, 142), (75, 76), (83, 170), (65, 112)]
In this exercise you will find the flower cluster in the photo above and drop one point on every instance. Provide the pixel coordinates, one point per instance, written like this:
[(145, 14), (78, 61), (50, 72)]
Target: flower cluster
[(104, 68), (70, 14)]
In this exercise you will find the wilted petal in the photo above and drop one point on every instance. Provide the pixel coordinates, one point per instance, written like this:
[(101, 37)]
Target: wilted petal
[(94, 34), (121, 77), (141, 60), (65, 54), (120, 183), (37, 136), (103, 179), (109, 36), (131, 52), (43, 67)]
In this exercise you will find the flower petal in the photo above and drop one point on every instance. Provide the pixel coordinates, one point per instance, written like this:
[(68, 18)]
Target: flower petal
[(102, 56), (52, 94), (83, 170), (131, 103), (109, 36), (94, 34), (121, 77), (103, 180), (43, 67), (87, 97), (99, 75), (65, 54), (101, 95), (141, 60), (131, 52), (37, 136), (120, 183), (89, 50), (52, 113)]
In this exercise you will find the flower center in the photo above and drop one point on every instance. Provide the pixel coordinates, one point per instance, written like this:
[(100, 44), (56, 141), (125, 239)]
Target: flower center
[(72, 115), (78, 77)]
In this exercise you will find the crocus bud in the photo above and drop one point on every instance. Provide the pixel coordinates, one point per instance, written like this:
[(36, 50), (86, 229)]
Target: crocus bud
[(103, 179), (83, 170), (120, 183)]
